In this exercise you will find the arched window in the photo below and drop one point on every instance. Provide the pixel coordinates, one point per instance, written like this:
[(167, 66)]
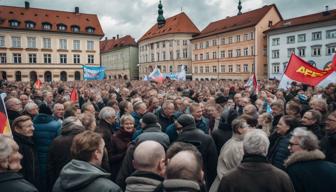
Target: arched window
[(75, 28), (63, 76), (46, 26), (90, 29), (18, 76), (61, 27), (14, 23), (4, 75), (33, 76), (77, 76), (30, 24), (47, 76)]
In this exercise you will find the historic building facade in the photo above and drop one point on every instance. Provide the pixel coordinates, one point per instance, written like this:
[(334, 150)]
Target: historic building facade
[(119, 56), (312, 37), (47, 45), (167, 45), (234, 47)]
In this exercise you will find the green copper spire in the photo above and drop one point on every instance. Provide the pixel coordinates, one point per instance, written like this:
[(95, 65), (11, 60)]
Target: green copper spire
[(239, 8), (160, 20)]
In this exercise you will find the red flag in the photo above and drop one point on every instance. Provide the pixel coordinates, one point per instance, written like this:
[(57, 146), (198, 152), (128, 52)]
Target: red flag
[(38, 84), (74, 95), (4, 122)]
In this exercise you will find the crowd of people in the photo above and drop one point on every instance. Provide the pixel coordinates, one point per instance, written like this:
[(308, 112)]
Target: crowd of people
[(131, 136)]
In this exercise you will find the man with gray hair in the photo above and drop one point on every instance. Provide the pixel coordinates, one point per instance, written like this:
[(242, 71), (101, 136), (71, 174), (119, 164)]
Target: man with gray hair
[(306, 166), (31, 109), (149, 163), (255, 173)]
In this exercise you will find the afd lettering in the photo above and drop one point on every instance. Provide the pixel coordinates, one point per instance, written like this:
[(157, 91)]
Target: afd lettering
[(308, 72)]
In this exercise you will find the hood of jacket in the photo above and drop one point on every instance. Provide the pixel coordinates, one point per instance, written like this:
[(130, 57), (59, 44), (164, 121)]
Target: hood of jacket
[(79, 174), (180, 184), (42, 118), (304, 155)]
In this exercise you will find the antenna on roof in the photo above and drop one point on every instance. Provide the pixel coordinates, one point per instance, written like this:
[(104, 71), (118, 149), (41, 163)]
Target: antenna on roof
[(239, 8)]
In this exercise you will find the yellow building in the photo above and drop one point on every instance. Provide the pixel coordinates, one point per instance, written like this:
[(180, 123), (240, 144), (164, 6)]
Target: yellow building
[(234, 47), (166, 45), (46, 44)]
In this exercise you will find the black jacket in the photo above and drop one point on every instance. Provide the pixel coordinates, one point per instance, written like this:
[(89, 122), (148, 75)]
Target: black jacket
[(29, 162), (206, 146), (11, 181), (328, 146)]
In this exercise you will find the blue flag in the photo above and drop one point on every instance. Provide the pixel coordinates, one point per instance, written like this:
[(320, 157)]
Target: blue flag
[(93, 73)]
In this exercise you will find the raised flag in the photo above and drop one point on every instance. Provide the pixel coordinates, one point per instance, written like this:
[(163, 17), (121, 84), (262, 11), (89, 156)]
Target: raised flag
[(93, 73), (4, 122), (38, 84), (252, 84), (182, 75), (156, 76), (74, 95), (301, 71)]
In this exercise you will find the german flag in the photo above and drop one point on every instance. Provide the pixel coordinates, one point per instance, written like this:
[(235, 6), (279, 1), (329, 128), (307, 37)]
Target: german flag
[(4, 122)]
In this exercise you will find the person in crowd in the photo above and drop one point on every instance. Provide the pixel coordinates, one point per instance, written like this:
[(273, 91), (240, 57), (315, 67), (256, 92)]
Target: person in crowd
[(328, 143), (202, 123), (254, 172), (232, 151), (48, 99), (31, 109), (166, 115), (58, 112), (10, 158), (88, 108), (277, 112), (265, 122), (140, 109), (312, 120), (250, 110), (294, 109), (24, 99), (214, 112), (59, 151), (84, 171), (14, 108), (125, 107), (153, 105), (306, 165), (23, 130), (120, 141), (88, 120), (188, 133), (279, 152), (319, 104), (150, 166)]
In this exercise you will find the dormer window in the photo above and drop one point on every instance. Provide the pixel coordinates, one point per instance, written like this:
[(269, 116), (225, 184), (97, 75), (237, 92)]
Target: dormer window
[(90, 29), (61, 27), (75, 28), (30, 24), (46, 26), (14, 23)]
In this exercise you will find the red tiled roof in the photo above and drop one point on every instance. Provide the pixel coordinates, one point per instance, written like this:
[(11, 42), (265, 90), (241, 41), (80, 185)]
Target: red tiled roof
[(108, 45), (244, 20), (179, 23), (39, 16), (303, 20)]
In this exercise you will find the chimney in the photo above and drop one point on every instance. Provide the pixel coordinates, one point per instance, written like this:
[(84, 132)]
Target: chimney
[(76, 10), (26, 4), (117, 36), (326, 12), (113, 38)]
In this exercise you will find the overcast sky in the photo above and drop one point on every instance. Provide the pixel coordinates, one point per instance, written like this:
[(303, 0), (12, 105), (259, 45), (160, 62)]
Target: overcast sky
[(135, 17)]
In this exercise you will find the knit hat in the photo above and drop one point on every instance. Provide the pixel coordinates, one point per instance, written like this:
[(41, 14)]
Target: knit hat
[(186, 120), (149, 118)]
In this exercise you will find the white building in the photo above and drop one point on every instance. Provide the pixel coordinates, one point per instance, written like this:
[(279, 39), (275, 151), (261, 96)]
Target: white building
[(312, 37)]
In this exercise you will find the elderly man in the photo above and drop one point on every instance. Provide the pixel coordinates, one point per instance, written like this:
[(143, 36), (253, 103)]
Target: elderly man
[(14, 108), (10, 179), (140, 109), (328, 143), (255, 173), (31, 109), (166, 115), (202, 123), (306, 165), (149, 163), (312, 119), (58, 112), (251, 110), (24, 100)]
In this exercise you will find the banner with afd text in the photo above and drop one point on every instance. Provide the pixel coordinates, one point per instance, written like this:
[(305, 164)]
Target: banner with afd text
[(93, 73)]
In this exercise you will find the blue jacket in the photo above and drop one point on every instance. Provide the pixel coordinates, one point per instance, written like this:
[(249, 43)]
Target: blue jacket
[(279, 152), (46, 129), (203, 125), (171, 132), (137, 118)]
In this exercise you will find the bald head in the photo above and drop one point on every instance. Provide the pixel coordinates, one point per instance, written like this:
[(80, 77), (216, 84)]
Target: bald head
[(149, 156), (185, 165), (250, 109)]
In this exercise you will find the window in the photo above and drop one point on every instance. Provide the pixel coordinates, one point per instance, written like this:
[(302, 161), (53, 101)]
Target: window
[(157, 56), (207, 56), (171, 43), (214, 55), (196, 69), (47, 58), (16, 42), (177, 54), (331, 50), (222, 54), (207, 44), (317, 36), (316, 51), (290, 39), (246, 37), (230, 40), (76, 58), (63, 44), (201, 45), (201, 69), (275, 54), (14, 23), (275, 67), (245, 67), (238, 52), (164, 69), (63, 58), (302, 51), (230, 53), (290, 51), (207, 69), (185, 42), (178, 42), (245, 51), (30, 25), (75, 29), (214, 69), (163, 44), (76, 44), (3, 58), (152, 57), (152, 46), (223, 68), (185, 53), (196, 46), (32, 58), (237, 68), (301, 37), (201, 56), (46, 26), (214, 42), (61, 27), (252, 35), (90, 29), (171, 68), (90, 45), (223, 41), (276, 41), (230, 69), (2, 41), (196, 57), (91, 59), (31, 42), (164, 55), (331, 34), (238, 38), (46, 43), (171, 55), (252, 51), (16, 57), (158, 45)]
